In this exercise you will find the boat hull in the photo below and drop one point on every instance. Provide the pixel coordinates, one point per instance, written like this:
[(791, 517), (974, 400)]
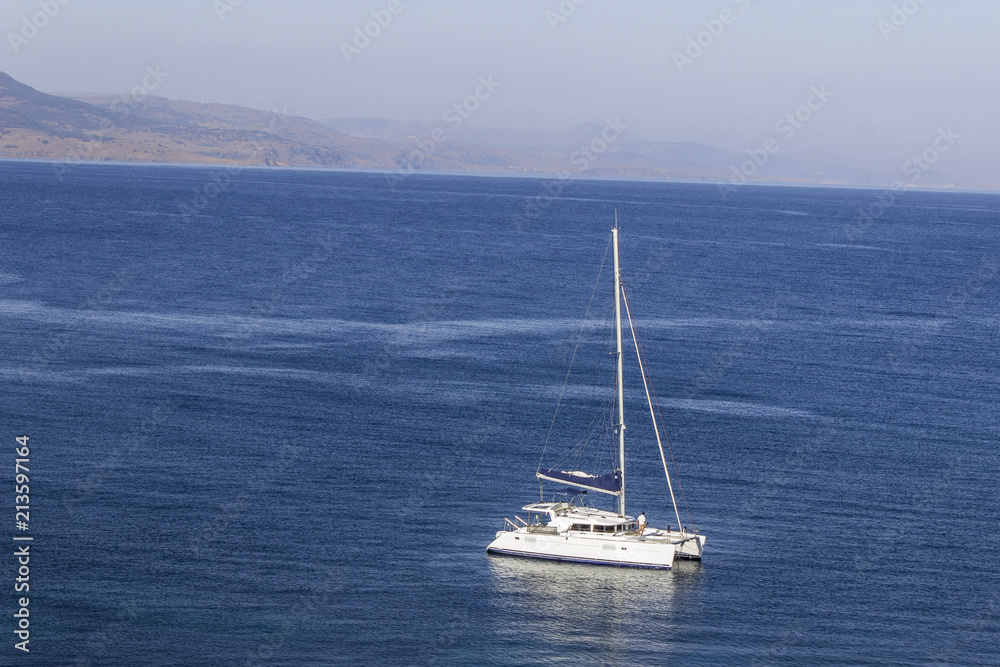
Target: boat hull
[(689, 546), (618, 551), (692, 549)]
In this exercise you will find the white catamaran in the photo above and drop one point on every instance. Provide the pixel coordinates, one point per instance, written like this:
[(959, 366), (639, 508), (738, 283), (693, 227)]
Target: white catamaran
[(571, 532)]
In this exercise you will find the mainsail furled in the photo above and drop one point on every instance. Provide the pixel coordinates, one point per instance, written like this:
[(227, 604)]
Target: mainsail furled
[(610, 483)]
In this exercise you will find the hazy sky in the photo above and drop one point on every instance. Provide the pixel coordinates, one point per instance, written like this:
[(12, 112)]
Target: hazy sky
[(896, 70)]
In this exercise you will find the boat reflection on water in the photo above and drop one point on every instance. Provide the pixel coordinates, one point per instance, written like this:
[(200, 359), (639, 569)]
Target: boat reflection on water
[(574, 610)]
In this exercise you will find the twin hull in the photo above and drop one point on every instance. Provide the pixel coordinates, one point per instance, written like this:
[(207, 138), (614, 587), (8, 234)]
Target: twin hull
[(597, 550), (688, 546)]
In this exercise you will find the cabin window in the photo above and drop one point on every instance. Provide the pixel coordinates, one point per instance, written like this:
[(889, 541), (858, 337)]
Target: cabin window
[(581, 526)]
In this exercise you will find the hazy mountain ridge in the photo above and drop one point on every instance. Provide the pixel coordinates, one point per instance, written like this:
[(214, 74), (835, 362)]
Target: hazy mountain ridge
[(155, 129), (92, 127)]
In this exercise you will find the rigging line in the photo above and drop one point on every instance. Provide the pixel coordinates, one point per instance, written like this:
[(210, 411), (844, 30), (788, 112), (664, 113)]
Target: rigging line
[(602, 416), (580, 448), (670, 448), (680, 486), (592, 416), (602, 448), (597, 417), (645, 384), (578, 338), (598, 421)]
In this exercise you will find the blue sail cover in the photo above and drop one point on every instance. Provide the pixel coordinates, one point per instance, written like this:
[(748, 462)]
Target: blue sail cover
[(610, 483)]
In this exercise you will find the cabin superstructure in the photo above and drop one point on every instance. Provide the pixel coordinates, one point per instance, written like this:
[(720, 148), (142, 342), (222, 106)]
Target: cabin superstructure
[(553, 518)]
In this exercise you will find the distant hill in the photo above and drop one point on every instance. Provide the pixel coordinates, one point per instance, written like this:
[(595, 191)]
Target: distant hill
[(102, 127), (37, 125), (631, 156), (154, 129)]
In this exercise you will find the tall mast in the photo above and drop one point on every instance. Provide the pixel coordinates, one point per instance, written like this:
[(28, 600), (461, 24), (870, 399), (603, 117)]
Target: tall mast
[(621, 384)]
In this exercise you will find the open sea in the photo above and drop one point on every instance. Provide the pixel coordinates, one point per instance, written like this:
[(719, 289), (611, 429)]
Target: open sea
[(276, 416)]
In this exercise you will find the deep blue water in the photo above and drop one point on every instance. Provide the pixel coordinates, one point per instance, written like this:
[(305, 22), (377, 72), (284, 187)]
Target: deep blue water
[(276, 416)]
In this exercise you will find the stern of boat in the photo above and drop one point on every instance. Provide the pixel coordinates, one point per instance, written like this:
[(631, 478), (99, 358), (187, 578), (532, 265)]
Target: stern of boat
[(691, 548)]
